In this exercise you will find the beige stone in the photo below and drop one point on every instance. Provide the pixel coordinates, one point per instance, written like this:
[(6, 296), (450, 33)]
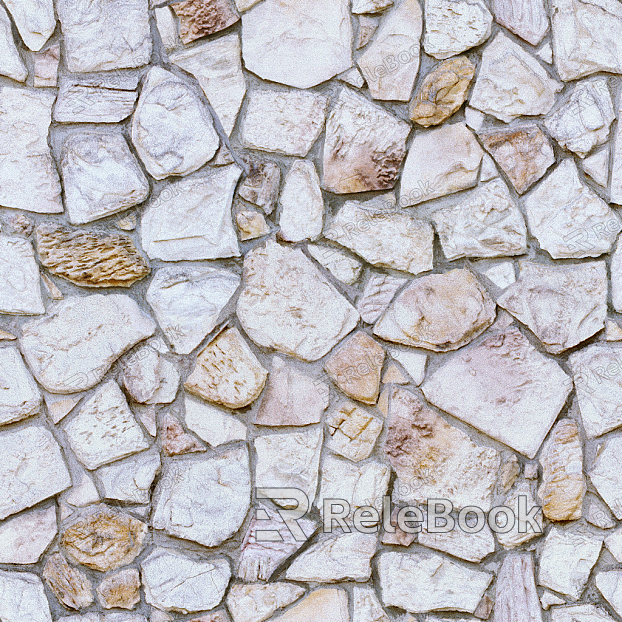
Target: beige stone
[(71, 586), (352, 432), (378, 293), (472, 547), (175, 440), (261, 184), (525, 18), (331, 602), (198, 18), (338, 263), (256, 603), (397, 536), (120, 590), (24, 538), (251, 224), (367, 27)]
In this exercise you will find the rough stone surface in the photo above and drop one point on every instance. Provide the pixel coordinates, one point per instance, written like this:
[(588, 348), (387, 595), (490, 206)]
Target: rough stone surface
[(256, 603), (120, 590), (212, 424), (24, 538), (605, 474), (378, 293), (19, 278), (70, 585), (352, 432), (261, 185), (22, 598), (331, 602), (339, 264), (149, 378), (175, 440), (198, 18), (11, 63), (20, 397), (34, 20), (525, 18), (517, 597)]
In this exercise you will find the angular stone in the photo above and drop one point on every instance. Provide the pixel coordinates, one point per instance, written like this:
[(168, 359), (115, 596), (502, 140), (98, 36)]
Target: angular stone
[(149, 378), (330, 603), (120, 590), (339, 264), (517, 597), (19, 278), (181, 510), (523, 152), (22, 598), (11, 63), (211, 424), (470, 546), (440, 161), (384, 236), (227, 372), (172, 128), (97, 37), (474, 386), (251, 224), (613, 542), (488, 223), (256, 603), (598, 514), (525, 18), (45, 68), (90, 258), (370, 6), (28, 176), (366, 607), (198, 18), (606, 474), (345, 557), (70, 586), (167, 27), (561, 305), (191, 218), (174, 581), (279, 45), (521, 531), (20, 397), (175, 440), (364, 146), (420, 582), (597, 167), (398, 37), (352, 432), (353, 77), (378, 293), (442, 92), (24, 538), (453, 26), (433, 459), (286, 122), (512, 83), (439, 312), (103, 539), (367, 26), (567, 558), (615, 187), (288, 305), (261, 185), (217, 65), (580, 613), (412, 361), (35, 21)]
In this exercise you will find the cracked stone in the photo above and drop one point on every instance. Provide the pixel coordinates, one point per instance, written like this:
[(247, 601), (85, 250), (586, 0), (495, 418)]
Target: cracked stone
[(378, 293), (22, 598), (256, 603), (261, 185), (352, 432), (19, 278), (211, 424), (366, 607), (525, 18), (198, 18), (120, 590), (339, 264), (24, 538), (517, 596), (70, 585), (605, 474)]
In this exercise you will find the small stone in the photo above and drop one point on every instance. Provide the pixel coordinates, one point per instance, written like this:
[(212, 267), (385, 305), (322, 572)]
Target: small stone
[(398, 36), (191, 218), (546, 53), (394, 375), (580, 613), (287, 304), (517, 596), (256, 603), (24, 538), (46, 66), (212, 424), (280, 47), (597, 513), (20, 397), (120, 590), (521, 531), (103, 539), (291, 397), (198, 18), (367, 27), (488, 223), (19, 278), (412, 361), (525, 18), (575, 307), (35, 21), (97, 38), (597, 167), (82, 493), (22, 598), (613, 542), (439, 312), (606, 474), (352, 432), (370, 6), (440, 161), (302, 204), (261, 185), (485, 607), (227, 372), (366, 607), (383, 236), (100, 176), (397, 537), (330, 603), (502, 274), (181, 510), (378, 293), (523, 152), (175, 440), (488, 169), (442, 92), (172, 128), (50, 288), (252, 225), (364, 146), (474, 118), (244, 5), (548, 600), (174, 581), (147, 416), (11, 63), (149, 378), (5, 336), (473, 547), (353, 77), (286, 122), (71, 586), (510, 470), (167, 27), (338, 263)]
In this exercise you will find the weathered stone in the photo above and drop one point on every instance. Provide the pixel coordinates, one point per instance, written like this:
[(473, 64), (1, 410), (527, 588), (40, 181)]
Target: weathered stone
[(438, 312), (175, 440), (227, 372), (412, 361), (191, 218), (288, 305), (440, 161), (370, 6), (613, 542), (211, 424), (383, 236), (606, 474), (103, 539), (517, 597), (97, 37), (548, 599), (525, 18), (82, 493), (474, 386), (615, 187), (561, 305), (339, 264), (11, 63), (352, 431), (24, 538), (177, 582), (120, 590), (330, 604), (261, 185), (251, 224), (167, 27), (488, 223), (71, 586), (256, 603), (524, 153), (20, 397), (473, 547), (579, 613), (19, 278), (35, 21), (367, 26), (364, 146), (150, 378), (597, 513), (378, 293), (279, 45), (597, 167), (22, 598), (198, 18), (366, 607), (181, 509), (50, 288), (521, 531), (442, 92)]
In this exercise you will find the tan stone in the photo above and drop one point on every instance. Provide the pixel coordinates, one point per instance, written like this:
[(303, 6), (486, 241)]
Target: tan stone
[(394, 375), (367, 28), (327, 604), (50, 287), (261, 185), (352, 431), (120, 590), (355, 367), (71, 586), (175, 440), (6, 336), (198, 18), (227, 372), (251, 224), (104, 539), (397, 537), (90, 258), (442, 92)]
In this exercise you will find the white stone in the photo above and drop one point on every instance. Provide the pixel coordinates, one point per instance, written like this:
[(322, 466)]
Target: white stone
[(420, 582), (11, 63), (597, 513), (167, 27), (512, 83), (580, 613), (256, 603), (366, 607), (353, 77), (217, 65), (516, 593), (104, 429), (475, 384), (453, 26), (172, 128), (24, 538), (181, 509), (397, 38), (338, 263), (35, 21), (378, 293), (302, 204), (474, 118), (288, 305), (20, 289), (286, 122), (82, 493), (28, 176), (546, 53), (212, 424), (597, 166), (548, 599), (525, 18), (606, 474), (149, 378), (502, 274), (413, 361), (330, 604), (99, 37), (370, 6), (488, 169), (297, 42), (613, 542), (70, 349), (101, 176), (470, 546), (31, 469), (244, 5), (488, 223), (191, 219), (440, 161), (22, 598), (521, 532), (174, 581)]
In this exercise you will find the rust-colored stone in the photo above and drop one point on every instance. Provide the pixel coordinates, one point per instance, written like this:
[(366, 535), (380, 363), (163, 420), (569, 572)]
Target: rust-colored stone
[(72, 587)]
